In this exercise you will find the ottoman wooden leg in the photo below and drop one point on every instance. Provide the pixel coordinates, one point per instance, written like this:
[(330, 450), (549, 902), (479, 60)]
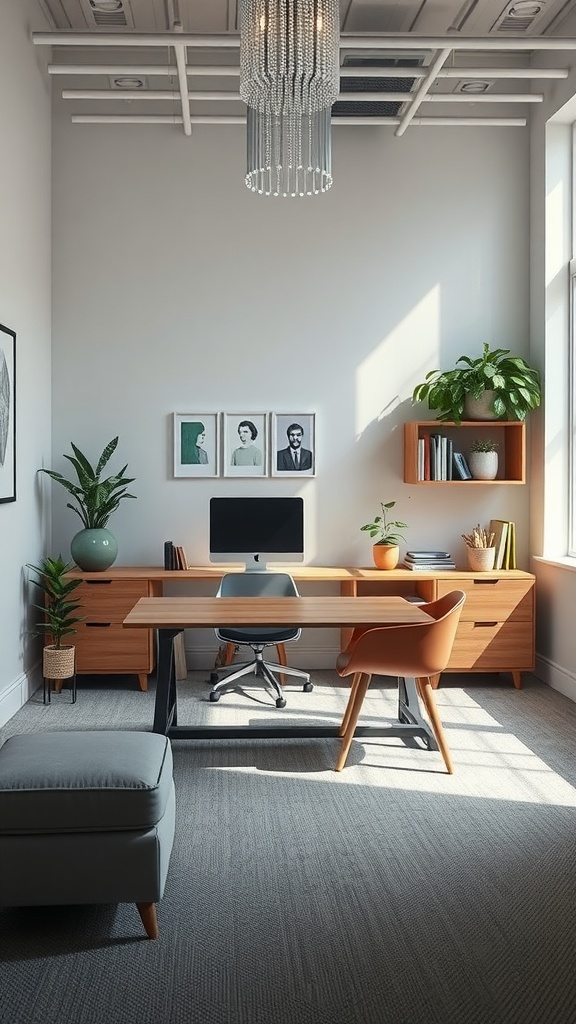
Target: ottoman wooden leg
[(147, 912)]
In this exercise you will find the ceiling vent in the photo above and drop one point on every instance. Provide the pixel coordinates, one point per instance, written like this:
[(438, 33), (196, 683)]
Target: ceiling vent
[(107, 14), (400, 83), (520, 16)]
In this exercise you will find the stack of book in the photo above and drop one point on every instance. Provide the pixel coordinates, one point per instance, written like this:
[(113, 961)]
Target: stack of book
[(505, 543), (437, 459), (174, 556), (428, 560)]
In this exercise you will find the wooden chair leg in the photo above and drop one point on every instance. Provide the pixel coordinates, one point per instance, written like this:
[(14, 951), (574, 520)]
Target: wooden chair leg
[(229, 655), (427, 694), (281, 653), (353, 688), (357, 700), (147, 913)]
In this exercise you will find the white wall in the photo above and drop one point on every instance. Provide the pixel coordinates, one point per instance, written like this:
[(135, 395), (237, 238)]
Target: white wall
[(25, 308), (175, 289)]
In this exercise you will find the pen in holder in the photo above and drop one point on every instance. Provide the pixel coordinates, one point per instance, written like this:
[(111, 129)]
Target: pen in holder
[(480, 549)]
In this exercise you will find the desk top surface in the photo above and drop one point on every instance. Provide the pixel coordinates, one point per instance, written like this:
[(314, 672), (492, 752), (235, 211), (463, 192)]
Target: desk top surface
[(186, 612), (298, 572)]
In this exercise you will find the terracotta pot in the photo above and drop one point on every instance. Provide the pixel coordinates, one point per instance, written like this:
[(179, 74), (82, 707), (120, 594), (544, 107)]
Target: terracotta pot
[(385, 555)]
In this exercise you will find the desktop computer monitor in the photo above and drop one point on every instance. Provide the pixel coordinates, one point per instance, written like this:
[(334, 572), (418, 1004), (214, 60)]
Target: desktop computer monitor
[(256, 530)]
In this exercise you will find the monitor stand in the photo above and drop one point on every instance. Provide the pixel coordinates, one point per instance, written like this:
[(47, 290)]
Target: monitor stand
[(255, 565)]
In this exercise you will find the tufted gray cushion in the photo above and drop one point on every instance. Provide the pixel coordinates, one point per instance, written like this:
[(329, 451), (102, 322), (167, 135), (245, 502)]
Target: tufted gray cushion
[(83, 781)]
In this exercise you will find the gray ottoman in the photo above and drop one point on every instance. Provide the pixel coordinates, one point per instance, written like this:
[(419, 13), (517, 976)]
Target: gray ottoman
[(86, 817)]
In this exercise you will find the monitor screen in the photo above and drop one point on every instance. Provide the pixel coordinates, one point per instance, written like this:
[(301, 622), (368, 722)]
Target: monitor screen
[(256, 530)]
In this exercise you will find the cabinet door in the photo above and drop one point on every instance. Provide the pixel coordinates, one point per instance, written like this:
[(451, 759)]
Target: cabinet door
[(106, 600), (493, 646), (109, 648), (494, 600)]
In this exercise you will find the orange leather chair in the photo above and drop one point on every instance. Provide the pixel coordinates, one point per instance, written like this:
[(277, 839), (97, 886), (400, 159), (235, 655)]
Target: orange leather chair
[(411, 651)]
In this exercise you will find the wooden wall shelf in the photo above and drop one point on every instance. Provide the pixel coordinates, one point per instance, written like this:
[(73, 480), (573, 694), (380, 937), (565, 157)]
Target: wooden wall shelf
[(510, 435)]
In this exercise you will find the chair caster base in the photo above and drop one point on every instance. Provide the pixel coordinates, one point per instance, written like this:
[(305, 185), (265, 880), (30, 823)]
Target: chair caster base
[(307, 688), (280, 702), (214, 696), (213, 678)]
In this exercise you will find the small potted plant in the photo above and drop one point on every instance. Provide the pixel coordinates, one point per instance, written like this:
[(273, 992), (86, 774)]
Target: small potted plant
[(58, 615), (94, 548), (385, 549), (495, 385), (483, 458)]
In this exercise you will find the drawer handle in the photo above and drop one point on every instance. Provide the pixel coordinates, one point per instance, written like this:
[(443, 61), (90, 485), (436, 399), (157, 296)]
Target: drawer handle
[(491, 624), (485, 583), (97, 583), (99, 625)]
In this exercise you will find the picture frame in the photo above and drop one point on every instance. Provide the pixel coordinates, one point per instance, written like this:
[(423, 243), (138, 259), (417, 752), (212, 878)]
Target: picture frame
[(288, 457), (245, 443), (7, 414), (196, 444)]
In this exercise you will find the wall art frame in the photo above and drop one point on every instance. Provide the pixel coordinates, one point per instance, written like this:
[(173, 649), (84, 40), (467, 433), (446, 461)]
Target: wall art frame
[(293, 443), (7, 414), (196, 444), (245, 443)]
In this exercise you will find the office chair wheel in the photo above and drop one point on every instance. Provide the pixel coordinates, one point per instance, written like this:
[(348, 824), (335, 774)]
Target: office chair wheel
[(280, 702), (214, 696), (307, 688)]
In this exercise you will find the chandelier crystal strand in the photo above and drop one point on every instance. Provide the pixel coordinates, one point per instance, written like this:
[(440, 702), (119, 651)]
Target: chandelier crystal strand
[(288, 155), (289, 54)]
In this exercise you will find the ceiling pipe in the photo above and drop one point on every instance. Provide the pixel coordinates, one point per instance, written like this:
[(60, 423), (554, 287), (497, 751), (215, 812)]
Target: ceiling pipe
[(389, 41), (423, 88), (225, 71), (345, 97), (180, 55), (466, 122)]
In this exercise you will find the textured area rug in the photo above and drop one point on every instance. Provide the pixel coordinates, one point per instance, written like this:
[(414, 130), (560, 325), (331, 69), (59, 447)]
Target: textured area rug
[(386, 894)]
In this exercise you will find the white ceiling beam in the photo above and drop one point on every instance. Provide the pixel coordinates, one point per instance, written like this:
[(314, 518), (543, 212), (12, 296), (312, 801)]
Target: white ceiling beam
[(180, 56), (344, 97), (485, 122), (389, 41), (226, 71)]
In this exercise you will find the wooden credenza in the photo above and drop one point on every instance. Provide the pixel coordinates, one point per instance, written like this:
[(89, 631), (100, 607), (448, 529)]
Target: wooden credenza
[(495, 633)]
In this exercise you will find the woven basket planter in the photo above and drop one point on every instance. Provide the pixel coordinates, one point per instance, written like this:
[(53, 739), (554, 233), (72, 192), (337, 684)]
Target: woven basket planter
[(58, 662), (481, 559)]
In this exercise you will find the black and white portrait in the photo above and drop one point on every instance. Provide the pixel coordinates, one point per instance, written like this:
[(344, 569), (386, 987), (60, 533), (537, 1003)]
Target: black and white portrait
[(293, 444)]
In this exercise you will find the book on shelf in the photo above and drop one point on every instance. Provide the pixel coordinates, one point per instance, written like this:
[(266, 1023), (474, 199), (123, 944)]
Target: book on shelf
[(168, 554), (505, 543), (461, 467), (439, 566), (424, 555)]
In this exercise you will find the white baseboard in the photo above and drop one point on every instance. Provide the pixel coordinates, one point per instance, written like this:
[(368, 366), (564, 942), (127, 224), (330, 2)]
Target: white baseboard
[(17, 693), (556, 676)]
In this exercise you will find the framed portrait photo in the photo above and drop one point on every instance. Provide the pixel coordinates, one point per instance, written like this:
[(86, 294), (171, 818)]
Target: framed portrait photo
[(196, 444), (293, 444), (7, 414), (245, 443)]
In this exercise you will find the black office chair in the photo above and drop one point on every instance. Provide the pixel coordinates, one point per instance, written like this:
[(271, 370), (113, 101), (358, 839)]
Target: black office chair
[(257, 584)]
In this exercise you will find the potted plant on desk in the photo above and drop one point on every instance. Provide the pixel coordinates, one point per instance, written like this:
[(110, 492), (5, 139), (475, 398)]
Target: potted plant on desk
[(58, 616), (385, 549), (94, 548)]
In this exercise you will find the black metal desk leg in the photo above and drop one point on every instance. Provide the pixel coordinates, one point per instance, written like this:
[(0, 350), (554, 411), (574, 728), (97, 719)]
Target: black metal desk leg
[(165, 707), (409, 711)]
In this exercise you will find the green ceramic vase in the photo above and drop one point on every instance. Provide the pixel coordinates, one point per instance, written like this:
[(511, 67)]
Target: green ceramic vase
[(94, 550)]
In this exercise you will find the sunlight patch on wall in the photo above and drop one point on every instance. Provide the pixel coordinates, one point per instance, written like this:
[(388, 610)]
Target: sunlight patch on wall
[(409, 350)]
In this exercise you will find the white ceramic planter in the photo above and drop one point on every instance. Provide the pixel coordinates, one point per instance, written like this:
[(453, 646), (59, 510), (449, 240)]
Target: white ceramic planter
[(480, 408), (483, 465)]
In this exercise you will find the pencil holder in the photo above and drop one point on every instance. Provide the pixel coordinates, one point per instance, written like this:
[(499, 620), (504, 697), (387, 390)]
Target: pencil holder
[(481, 559)]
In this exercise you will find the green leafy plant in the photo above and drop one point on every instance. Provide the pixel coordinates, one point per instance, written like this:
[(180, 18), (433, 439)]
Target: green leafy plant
[(386, 532), (94, 499), (484, 445), (515, 384), (58, 608)]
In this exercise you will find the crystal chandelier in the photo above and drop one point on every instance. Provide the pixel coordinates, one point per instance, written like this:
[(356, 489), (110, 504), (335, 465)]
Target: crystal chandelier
[(289, 79)]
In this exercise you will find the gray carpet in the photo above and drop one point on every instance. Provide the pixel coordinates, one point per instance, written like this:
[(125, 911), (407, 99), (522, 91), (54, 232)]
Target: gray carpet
[(387, 894)]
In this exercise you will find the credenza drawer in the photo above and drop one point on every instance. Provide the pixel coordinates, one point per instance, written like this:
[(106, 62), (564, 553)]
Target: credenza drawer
[(493, 646), (110, 600), (493, 599), (103, 648)]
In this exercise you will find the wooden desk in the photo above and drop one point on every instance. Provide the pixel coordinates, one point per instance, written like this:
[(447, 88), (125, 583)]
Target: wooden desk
[(170, 615), (495, 632)]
